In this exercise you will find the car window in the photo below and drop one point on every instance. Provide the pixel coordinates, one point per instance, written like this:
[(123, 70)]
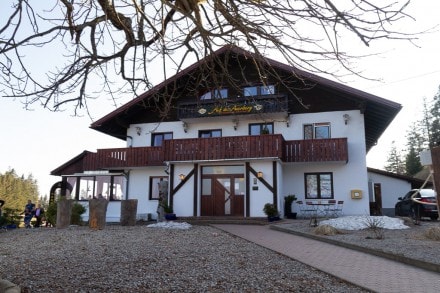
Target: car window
[(408, 195)]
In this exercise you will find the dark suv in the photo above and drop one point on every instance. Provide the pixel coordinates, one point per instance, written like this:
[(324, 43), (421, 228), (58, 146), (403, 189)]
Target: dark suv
[(406, 207)]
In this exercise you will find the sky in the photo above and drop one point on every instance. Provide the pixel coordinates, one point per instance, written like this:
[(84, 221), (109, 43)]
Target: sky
[(38, 141)]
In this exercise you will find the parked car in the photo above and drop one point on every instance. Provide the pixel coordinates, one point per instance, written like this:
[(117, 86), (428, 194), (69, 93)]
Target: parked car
[(406, 207)]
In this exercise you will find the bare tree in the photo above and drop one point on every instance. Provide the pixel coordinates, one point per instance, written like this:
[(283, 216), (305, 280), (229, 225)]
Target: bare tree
[(91, 47)]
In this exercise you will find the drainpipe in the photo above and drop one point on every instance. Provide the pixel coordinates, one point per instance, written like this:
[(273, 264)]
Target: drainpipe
[(128, 183)]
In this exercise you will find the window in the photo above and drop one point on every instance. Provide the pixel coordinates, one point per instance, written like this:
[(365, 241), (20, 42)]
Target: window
[(210, 133), (260, 128), (317, 130), (319, 185), (215, 94), (267, 90), (258, 90), (110, 187), (158, 138), (155, 182), (250, 91)]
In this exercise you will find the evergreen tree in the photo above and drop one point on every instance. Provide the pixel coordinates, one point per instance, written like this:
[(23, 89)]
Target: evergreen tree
[(395, 163), (426, 123), (415, 144), (412, 162), (435, 124), (17, 190)]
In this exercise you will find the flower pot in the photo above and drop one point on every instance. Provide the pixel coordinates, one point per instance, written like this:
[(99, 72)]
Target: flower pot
[(291, 215), (170, 217), (273, 218)]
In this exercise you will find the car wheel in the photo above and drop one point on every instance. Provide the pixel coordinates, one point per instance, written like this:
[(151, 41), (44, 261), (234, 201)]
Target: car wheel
[(397, 211), (434, 218)]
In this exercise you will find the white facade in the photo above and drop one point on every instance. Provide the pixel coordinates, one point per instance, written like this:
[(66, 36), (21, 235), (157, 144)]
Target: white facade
[(212, 149), (390, 189), (290, 178)]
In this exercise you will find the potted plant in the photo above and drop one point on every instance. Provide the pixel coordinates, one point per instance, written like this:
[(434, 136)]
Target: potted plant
[(169, 213), (271, 212), (265, 130), (288, 200)]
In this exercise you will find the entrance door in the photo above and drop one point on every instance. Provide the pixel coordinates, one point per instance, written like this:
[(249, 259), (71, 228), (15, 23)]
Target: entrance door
[(378, 198), (225, 197)]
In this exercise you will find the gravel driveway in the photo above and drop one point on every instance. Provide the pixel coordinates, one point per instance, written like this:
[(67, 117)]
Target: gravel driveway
[(142, 259)]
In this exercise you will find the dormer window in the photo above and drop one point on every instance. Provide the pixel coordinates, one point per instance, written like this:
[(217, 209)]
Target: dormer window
[(260, 128), (260, 90), (215, 94), (317, 130), (158, 138), (210, 133)]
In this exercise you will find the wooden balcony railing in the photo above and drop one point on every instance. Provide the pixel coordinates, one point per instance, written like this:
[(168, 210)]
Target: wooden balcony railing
[(220, 148), (125, 157), (316, 150)]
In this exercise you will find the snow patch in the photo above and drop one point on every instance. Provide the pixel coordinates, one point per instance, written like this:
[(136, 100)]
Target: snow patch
[(363, 222), (170, 225)]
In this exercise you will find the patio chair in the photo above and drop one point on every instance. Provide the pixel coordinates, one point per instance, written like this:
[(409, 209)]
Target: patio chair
[(300, 204), (338, 209), (310, 210), (330, 208), (304, 211)]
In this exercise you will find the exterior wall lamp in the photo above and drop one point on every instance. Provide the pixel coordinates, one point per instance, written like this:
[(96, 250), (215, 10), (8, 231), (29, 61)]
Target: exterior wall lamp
[(346, 118), (260, 174), (185, 127), (182, 176), (138, 130), (235, 123)]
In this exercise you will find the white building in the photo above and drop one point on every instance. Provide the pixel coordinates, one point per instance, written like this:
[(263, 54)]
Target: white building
[(226, 150), (385, 188)]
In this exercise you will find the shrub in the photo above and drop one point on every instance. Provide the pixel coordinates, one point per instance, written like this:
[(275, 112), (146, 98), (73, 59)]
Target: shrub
[(326, 230), (270, 210), (433, 233), (77, 210), (375, 224), (51, 213), (75, 218), (10, 217)]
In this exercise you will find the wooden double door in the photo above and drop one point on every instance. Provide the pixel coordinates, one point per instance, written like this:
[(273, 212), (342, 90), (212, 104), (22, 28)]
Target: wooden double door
[(223, 195)]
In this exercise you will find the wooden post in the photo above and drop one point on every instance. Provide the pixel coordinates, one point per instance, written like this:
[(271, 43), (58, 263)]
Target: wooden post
[(64, 212), (435, 168), (97, 213), (128, 212)]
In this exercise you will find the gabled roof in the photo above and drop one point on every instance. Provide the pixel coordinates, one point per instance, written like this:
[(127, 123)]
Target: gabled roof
[(72, 166), (415, 182), (378, 112)]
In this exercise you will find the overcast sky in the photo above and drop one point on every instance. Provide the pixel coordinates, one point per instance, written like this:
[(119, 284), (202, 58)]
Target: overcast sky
[(39, 141)]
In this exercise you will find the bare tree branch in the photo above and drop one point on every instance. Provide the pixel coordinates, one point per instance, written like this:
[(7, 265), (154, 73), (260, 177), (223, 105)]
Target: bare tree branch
[(117, 42)]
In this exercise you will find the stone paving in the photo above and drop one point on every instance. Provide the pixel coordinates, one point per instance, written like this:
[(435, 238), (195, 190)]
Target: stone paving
[(368, 271)]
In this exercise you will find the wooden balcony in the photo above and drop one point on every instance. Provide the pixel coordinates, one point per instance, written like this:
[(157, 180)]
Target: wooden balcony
[(221, 148), (316, 150), (224, 148)]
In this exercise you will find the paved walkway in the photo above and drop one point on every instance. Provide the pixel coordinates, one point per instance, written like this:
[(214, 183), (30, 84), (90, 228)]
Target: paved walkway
[(365, 270)]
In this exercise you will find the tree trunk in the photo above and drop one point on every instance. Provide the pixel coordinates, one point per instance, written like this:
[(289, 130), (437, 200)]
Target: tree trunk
[(97, 213), (128, 212), (64, 212)]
